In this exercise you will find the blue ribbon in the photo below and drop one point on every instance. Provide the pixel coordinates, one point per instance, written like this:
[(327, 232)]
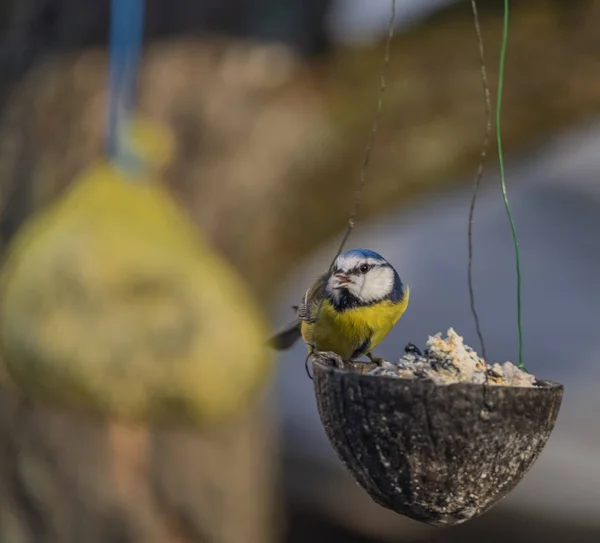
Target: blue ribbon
[(125, 47)]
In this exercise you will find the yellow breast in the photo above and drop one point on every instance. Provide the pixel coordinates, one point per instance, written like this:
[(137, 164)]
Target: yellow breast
[(343, 332)]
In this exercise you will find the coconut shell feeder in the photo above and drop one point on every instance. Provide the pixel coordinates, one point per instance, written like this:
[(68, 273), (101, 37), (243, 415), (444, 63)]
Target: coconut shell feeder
[(440, 437), (439, 454)]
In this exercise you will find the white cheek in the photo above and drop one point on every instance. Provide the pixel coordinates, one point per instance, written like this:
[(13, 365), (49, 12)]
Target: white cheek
[(376, 285), (357, 287)]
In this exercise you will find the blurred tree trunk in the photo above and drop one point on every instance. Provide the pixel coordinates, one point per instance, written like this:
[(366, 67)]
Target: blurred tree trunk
[(268, 152)]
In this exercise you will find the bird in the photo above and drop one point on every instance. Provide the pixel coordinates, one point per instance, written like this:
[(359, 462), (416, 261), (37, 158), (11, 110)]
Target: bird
[(349, 310)]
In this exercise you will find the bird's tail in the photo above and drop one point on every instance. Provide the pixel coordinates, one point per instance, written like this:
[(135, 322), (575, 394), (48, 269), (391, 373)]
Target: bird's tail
[(287, 337)]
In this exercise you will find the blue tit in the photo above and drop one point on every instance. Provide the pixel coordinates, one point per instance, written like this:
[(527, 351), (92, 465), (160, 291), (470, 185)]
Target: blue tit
[(350, 309)]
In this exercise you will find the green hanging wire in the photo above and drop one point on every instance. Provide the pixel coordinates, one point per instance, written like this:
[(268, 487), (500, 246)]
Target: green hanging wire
[(503, 179)]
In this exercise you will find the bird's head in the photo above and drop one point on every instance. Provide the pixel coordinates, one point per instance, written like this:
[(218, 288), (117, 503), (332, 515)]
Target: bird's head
[(363, 277)]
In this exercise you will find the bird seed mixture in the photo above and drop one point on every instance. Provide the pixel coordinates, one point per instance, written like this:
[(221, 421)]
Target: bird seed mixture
[(448, 360)]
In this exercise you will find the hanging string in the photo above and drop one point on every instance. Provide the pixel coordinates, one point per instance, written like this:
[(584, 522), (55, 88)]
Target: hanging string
[(479, 174), (374, 128), (125, 44), (503, 178), (367, 157)]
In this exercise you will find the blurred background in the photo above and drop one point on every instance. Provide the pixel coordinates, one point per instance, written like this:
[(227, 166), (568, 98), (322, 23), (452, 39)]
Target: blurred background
[(271, 103)]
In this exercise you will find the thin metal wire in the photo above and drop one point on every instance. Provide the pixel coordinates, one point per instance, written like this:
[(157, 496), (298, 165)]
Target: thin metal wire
[(503, 179), (478, 176), (368, 150), (374, 128), (307, 368)]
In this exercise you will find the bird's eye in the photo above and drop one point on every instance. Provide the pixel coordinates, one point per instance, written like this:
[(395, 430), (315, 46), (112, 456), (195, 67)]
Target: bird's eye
[(364, 268)]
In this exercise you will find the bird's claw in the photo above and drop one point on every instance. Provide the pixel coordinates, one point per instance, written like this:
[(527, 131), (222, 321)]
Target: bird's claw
[(329, 358), (375, 359)]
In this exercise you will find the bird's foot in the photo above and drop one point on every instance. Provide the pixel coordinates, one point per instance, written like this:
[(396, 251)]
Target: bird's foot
[(375, 359), (328, 358)]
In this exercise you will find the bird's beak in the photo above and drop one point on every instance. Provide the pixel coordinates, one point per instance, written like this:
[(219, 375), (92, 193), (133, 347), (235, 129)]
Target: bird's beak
[(342, 278)]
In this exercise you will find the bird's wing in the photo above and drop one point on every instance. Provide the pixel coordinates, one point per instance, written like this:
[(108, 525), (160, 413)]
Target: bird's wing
[(304, 308), (307, 310)]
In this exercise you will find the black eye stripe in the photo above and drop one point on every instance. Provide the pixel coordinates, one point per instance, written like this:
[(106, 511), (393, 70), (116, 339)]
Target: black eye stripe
[(367, 267), (357, 269)]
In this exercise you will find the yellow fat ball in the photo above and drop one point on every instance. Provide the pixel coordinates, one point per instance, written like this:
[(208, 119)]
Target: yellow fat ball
[(111, 301)]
